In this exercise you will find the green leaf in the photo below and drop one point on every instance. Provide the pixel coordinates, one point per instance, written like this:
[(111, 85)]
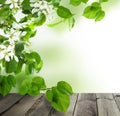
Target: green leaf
[(34, 62), (24, 19), (35, 56), (40, 20), (32, 87), (39, 81), (4, 12), (60, 101), (2, 1), (33, 33), (90, 12), (38, 66), (11, 80), (30, 32), (55, 24), (34, 90), (100, 15), (26, 8), (56, 2), (49, 95), (2, 38), (103, 1), (24, 87), (29, 68), (11, 66), (5, 87), (96, 5), (64, 87), (94, 11), (19, 47), (64, 12), (20, 65), (71, 22), (48, 0), (84, 1), (75, 2)]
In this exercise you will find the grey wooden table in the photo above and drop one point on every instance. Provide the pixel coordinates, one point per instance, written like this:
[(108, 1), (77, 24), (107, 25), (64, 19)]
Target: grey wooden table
[(90, 104)]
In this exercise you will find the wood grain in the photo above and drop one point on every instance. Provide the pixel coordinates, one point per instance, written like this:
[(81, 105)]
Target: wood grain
[(117, 100), (86, 105), (8, 101), (107, 105), (40, 108), (22, 107)]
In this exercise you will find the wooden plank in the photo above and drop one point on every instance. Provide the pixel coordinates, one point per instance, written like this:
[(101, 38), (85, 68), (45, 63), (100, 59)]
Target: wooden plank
[(40, 108), (8, 101), (116, 94), (107, 105), (71, 108), (22, 107), (86, 105), (117, 99), (104, 96)]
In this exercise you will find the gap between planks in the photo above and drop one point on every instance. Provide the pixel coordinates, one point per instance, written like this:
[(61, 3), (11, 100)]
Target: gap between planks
[(106, 105), (90, 104)]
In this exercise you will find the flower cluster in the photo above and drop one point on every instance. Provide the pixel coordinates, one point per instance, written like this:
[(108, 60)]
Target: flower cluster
[(41, 7), (13, 3), (7, 53), (7, 48)]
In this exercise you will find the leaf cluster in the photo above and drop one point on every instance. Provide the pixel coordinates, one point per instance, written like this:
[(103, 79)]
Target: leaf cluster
[(6, 83), (94, 11), (18, 32)]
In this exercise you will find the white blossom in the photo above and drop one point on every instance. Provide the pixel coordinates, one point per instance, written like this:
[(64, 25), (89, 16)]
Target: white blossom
[(41, 6), (13, 3), (8, 53)]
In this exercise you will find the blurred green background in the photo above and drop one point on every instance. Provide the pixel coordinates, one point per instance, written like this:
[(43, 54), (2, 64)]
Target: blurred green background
[(87, 56)]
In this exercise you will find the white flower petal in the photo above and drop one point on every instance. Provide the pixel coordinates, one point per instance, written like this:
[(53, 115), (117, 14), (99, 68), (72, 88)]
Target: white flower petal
[(2, 47), (8, 1), (16, 58), (1, 55), (7, 58)]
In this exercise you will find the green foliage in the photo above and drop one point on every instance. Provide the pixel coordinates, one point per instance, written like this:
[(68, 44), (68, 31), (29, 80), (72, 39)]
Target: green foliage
[(56, 3), (94, 11), (4, 12), (71, 22), (64, 12), (75, 2), (32, 87), (33, 62), (64, 87), (11, 66), (15, 56), (26, 8), (30, 32), (100, 16), (6, 83), (2, 1), (40, 20), (19, 66), (2, 39), (19, 47), (103, 0), (59, 96), (84, 1)]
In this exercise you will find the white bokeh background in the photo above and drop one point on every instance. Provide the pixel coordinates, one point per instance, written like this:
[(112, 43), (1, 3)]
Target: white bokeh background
[(88, 56)]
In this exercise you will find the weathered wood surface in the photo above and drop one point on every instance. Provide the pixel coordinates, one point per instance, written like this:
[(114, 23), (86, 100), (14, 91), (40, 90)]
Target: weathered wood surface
[(91, 104)]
